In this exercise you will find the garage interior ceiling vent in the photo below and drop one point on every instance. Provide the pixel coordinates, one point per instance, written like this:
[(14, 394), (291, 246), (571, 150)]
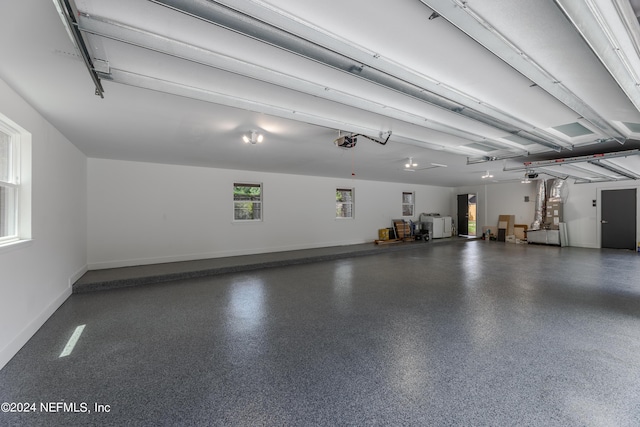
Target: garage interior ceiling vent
[(573, 130), (460, 14), (224, 16)]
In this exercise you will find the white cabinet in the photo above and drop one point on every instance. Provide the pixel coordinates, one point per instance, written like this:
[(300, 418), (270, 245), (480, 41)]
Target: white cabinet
[(447, 226), (438, 226), (544, 237)]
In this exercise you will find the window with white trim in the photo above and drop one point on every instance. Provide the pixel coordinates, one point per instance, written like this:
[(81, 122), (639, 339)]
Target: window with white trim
[(247, 202), (344, 203), (407, 203), (9, 182)]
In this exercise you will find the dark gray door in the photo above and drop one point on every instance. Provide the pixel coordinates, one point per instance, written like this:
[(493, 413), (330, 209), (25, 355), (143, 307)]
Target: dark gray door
[(463, 214), (618, 226)]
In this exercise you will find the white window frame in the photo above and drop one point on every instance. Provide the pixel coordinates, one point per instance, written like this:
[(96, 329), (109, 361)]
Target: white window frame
[(412, 204), (10, 221), (352, 203), (254, 202)]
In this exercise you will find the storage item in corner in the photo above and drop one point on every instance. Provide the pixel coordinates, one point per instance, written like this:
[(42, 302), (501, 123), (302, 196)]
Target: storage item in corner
[(554, 215), (402, 228), (392, 233), (544, 237), (520, 231), (507, 223), (383, 234), (438, 226)]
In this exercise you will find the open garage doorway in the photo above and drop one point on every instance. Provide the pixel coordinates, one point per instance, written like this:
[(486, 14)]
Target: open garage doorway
[(467, 214)]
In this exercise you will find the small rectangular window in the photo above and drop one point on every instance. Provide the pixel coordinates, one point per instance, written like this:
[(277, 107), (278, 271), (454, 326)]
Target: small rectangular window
[(6, 158), (344, 203), (247, 202), (8, 184), (407, 203)]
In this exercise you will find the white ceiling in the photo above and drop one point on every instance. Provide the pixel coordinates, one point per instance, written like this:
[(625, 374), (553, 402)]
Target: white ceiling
[(505, 79)]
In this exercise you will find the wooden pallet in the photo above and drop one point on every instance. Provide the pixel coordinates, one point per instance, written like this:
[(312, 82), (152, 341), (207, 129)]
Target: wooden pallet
[(388, 242)]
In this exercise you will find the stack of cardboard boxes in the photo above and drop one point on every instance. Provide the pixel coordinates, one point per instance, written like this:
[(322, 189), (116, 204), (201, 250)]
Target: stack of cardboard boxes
[(506, 225), (506, 231)]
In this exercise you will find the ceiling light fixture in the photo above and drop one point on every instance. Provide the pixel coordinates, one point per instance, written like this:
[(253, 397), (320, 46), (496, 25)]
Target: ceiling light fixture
[(487, 175), (410, 164), (254, 138)]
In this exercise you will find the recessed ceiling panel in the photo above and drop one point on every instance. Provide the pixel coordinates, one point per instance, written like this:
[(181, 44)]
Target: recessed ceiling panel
[(573, 130), (633, 127)]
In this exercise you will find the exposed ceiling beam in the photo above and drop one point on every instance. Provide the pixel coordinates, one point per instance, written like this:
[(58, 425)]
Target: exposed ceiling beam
[(102, 27), (179, 89), (577, 179), (557, 175), (283, 19), (615, 169), (611, 30), (580, 159), (460, 14), (65, 11), (219, 14), (581, 167)]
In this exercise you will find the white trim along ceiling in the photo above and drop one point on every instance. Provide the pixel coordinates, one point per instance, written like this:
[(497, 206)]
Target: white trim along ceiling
[(546, 88)]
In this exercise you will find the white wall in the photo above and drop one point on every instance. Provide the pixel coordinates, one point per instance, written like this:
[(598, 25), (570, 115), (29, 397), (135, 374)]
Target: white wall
[(36, 277), (141, 213), (498, 199), (583, 219)]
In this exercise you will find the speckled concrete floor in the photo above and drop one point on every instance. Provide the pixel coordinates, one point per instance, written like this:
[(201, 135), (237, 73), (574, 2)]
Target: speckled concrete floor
[(122, 277), (484, 333)]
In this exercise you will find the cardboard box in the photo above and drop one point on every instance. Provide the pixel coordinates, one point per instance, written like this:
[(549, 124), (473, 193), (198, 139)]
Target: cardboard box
[(520, 231), (402, 228), (510, 221), (383, 234)]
